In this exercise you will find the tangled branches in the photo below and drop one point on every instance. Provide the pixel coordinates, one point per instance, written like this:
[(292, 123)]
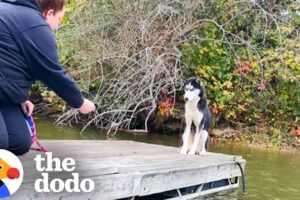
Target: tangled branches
[(130, 53)]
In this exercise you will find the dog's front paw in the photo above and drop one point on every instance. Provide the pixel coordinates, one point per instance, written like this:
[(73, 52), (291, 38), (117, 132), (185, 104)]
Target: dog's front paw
[(183, 151), (180, 149), (192, 153), (202, 153)]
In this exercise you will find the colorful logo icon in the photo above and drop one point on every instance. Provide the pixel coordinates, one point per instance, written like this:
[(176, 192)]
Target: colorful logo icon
[(11, 173)]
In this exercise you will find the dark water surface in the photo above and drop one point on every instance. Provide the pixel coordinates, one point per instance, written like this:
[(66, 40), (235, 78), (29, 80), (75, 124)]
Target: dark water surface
[(270, 175)]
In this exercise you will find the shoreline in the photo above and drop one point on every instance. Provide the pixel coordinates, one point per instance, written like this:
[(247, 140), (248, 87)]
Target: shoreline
[(255, 140)]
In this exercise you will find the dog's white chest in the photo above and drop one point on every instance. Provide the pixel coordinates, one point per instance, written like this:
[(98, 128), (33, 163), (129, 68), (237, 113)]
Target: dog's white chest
[(192, 113)]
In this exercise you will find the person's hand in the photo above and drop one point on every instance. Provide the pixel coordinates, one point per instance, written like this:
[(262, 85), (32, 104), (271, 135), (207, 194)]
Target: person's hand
[(87, 107), (27, 107)]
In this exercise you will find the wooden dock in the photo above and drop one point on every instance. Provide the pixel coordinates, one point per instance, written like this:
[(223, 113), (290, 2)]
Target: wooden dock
[(132, 170)]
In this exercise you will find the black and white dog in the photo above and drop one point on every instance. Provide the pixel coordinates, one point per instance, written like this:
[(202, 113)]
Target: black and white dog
[(197, 112)]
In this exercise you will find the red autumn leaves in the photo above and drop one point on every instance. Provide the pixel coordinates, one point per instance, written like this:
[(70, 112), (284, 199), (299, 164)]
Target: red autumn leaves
[(165, 107), (244, 67), (295, 132)]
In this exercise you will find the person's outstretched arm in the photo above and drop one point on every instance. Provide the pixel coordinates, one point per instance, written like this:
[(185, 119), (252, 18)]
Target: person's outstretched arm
[(39, 48)]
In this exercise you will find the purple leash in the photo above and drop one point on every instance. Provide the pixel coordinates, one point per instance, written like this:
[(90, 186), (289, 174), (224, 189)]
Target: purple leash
[(33, 132)]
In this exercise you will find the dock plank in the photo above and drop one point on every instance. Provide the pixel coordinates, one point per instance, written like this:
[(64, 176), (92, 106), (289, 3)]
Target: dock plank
[(123, 169)]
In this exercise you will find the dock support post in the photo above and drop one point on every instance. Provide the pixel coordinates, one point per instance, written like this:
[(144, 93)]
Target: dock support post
[(179, 193)]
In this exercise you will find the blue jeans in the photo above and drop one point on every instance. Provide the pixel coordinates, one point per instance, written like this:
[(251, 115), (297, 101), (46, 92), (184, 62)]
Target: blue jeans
[(14, 133)]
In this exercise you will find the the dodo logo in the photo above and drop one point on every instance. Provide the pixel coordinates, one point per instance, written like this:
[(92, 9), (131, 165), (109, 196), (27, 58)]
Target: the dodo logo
[(11, 173)]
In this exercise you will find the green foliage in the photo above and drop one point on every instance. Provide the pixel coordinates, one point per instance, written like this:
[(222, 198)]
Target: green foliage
[(214, 64), (72, 7), (252, 83)]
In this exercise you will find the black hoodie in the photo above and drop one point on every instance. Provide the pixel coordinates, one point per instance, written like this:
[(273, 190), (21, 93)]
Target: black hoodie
[(28, 52)]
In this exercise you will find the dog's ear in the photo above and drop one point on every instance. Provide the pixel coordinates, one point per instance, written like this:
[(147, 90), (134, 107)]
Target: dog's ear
[(198, 81)]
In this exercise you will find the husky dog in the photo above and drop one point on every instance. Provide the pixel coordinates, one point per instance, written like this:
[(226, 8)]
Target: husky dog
[(197, 112)]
